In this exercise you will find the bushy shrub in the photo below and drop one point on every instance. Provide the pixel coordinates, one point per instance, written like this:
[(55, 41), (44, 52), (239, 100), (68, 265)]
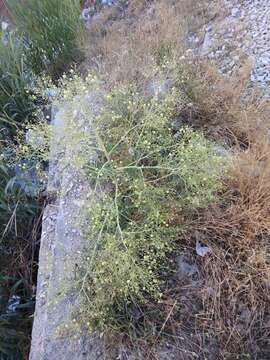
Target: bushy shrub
[(153, 177), (51, 29), (146, 177)]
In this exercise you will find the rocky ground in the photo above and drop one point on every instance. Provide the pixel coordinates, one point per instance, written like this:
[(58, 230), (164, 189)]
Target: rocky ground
[(238, 32)]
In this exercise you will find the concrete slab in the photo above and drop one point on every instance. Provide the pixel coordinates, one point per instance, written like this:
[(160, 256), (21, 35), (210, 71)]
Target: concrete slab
[(53, 337)]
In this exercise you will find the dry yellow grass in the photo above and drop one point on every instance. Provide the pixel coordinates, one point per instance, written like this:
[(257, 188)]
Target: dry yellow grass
[(236, 291), (126, 49)]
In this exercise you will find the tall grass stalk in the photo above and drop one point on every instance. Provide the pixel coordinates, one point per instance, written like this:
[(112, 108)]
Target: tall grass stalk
[(16, 105)]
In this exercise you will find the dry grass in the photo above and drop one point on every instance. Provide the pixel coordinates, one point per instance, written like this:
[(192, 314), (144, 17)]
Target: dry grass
[(235, 279), (236, 291), (126, 49)]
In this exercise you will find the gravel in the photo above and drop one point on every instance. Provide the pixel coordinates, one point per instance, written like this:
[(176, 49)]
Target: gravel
[(241, 31)]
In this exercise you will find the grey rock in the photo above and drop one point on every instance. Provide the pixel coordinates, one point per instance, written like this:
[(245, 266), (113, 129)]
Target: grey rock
[(231, 64), (202, 249), (265, 60), (86, 14), (246, 27), (206, 46), (159, 86), (236, 12), (107, 2), (221, 150)]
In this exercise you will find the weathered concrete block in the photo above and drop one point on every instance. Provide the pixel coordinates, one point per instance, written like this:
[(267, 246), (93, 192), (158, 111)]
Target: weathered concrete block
[(53, 336)]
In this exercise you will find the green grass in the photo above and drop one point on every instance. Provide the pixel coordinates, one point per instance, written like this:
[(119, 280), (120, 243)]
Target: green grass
[(19, 211), (45, 40), (19, 229), (16, 104), (52, 30), (17, 208)]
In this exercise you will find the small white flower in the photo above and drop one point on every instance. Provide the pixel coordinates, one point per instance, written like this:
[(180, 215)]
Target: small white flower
[(4, 25)]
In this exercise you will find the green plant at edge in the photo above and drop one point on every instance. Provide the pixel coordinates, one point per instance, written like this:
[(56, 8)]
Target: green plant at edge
[(51, 29)]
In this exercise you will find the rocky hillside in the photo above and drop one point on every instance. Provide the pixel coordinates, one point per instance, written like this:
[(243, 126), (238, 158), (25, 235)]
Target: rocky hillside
[(238, 32)]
